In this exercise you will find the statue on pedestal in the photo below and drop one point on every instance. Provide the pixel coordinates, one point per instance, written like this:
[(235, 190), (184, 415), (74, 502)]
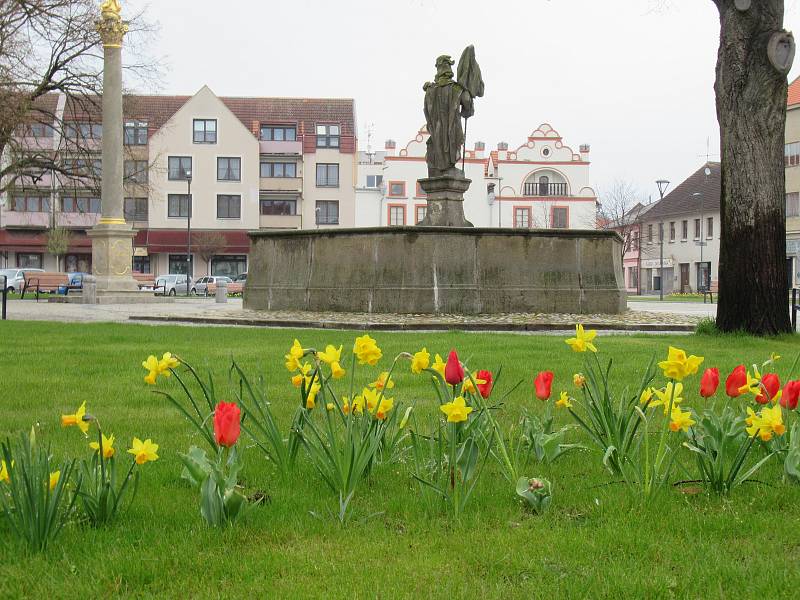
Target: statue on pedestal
[(446, 102)]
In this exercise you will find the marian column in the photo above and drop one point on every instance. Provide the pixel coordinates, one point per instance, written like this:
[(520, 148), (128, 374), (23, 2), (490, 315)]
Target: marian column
[(112, 237)]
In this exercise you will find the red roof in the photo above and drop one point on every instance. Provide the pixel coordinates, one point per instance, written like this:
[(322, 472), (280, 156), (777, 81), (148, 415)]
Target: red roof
[(174, 240), (794, 93)]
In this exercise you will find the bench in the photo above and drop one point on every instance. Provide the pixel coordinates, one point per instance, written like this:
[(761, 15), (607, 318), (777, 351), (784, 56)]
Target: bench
[(144, 279), (45, 282), (710, 291), (234, 288)]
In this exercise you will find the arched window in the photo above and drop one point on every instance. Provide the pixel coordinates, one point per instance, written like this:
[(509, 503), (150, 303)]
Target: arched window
[(544, 185)]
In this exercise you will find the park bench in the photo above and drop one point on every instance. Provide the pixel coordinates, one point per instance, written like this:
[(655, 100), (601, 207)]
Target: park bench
[(709, 292), (144, 280), (45, 282), (234, 288)]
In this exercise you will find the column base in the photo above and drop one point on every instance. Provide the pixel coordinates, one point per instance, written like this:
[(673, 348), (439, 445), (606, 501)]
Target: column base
[(445, 200), (112, 251)]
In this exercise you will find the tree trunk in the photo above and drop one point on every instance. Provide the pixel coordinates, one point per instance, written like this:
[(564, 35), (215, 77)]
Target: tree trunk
[(751, 109)]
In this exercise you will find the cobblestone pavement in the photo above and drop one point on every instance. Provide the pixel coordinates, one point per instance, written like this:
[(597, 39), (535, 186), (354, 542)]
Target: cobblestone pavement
[(697, 309), (206, 311)]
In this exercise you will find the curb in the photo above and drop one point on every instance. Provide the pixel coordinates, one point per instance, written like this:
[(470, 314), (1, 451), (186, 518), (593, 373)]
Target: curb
[(366, 326)]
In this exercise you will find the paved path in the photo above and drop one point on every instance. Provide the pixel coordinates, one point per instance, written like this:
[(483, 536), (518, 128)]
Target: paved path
[(694, 309), (642, 317)]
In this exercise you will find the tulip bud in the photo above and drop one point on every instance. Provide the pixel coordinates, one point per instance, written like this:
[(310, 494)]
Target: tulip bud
[(453, 371)]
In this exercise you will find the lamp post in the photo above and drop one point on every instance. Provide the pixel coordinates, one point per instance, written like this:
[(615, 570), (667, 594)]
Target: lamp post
[(662, 184), (188, 228)]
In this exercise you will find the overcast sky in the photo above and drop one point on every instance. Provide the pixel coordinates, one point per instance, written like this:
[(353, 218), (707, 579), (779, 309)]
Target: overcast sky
[(632, 78)]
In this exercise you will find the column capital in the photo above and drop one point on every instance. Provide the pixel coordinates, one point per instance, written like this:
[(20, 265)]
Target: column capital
[(111, 29)]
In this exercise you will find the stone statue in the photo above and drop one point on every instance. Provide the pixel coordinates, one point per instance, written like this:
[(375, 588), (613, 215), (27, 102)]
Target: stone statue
[(110, 8), (446, 102)]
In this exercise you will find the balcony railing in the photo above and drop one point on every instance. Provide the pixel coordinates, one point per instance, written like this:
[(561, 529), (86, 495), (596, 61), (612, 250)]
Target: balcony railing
[(545, 189)]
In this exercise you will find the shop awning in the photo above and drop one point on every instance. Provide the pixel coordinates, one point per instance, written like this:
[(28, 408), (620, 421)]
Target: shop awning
[(12, 240), (174, 240)]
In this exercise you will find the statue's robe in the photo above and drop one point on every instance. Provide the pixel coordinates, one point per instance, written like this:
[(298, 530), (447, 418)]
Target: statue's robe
[(443, 111)]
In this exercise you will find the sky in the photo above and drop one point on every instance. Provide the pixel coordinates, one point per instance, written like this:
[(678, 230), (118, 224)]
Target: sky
[(633, 78)]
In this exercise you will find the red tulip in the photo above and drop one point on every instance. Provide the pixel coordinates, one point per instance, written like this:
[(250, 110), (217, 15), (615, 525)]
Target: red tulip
[(772, 383), (543, 383), (453, 371), (226, 423), (484, 388), (709, 382), (736, 379), (791, 393)]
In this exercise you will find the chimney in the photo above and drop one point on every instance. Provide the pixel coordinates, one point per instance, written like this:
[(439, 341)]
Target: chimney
[(503, 146), (480, 147), (390, 147), (585, 148)]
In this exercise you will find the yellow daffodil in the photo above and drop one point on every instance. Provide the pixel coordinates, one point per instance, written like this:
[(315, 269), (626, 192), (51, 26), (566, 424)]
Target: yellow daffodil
[(331, 354), (370, 398), (420, 361), (293, 358), (582, 340), (167, 362), (297, 380), (579, 380), (367, 351), (774, 357), (143, 451), (680, 420), (345, 405), (773, 417), (679, 366), (151, 364), (384, 407), (382, 382), (312, 389), (108, 446), (457, 410), (4, 471), (468, 387), (77, 419), (766, 424), (337, 371), (663, 396), (753, 384), (647, 395), (358, 405), (563, 401), (330, 406), (438, 365), (54, 477)]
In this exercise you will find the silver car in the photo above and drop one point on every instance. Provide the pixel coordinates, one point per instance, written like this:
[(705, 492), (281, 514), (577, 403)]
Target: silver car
[(203, 284), (173, 285), (16, 278)]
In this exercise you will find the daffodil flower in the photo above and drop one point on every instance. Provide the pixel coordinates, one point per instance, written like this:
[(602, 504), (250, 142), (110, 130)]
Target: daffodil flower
[(578, 380), (331, 354), (457, 410), (108, 446), (4, 471), (439, 365), (680, 420), (663, 396), (384, 407), (678, 366), (292, 359), (582, 340), (151, 364), (54, 477), (78, 419), (563, 401), (420, 361), (366, 350), (382, 382), (143, 451)]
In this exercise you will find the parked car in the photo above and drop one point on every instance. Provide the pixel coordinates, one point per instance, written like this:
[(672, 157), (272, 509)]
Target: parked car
[(173, 285), (16, 278), (241, 277), (207, 285)]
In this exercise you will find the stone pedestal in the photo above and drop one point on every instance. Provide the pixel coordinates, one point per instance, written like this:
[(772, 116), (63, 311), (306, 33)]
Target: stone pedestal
[(445, 200), (112, 248)]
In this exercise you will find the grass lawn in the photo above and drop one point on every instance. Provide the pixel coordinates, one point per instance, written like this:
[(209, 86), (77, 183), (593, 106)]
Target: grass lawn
[(598, 539)]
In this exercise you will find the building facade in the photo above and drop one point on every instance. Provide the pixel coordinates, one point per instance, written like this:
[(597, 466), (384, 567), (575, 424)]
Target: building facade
[(540, 184), (792, 165), (215, 166), (679, 237)]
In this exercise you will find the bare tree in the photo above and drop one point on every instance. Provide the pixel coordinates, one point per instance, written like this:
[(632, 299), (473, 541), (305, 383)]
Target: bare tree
[(58, 241), (208, 245), (754, 59), (619, 211)]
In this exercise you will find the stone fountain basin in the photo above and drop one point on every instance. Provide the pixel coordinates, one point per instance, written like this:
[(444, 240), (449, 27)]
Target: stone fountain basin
[(434, 270)]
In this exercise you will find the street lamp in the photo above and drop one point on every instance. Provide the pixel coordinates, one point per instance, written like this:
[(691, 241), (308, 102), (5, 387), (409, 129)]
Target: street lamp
[(662, 184), (188, 174)]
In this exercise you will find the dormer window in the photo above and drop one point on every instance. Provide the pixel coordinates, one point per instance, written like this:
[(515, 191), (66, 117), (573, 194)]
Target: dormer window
[(135, 133), (278, 133), (327, 136)]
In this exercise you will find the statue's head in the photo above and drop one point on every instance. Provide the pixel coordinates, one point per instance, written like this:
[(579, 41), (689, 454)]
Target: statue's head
[(444, 67)]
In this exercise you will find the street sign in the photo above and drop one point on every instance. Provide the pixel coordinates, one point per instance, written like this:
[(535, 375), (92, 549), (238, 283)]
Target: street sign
[(655, 263)]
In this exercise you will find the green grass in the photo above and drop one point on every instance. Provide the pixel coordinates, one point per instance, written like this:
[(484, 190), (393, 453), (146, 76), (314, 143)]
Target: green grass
[(598, 540)]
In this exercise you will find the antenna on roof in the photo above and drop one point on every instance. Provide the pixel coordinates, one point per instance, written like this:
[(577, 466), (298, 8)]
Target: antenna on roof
[(708, 154), (370, 154)]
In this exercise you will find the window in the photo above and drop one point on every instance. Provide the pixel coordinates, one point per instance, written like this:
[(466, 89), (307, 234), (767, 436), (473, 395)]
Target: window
[(271, 133), (419, 192), (560, 217), (672, 231), (649, 234), (141, 264), (205, 131), (29, 261), (327, 212), (635, 241), (84, 131), (229, 207), (177, 265), (80, 205), (397, 214), (374, 181), (328, 175), (397, 189), (279, 207), (229, 169), (37, 130), (710, 227), (229, 266), (30, 204), (135, 209), (421, 211), (698, 229), (327, 136), (77, 167), (522, 217), (269, 169), (793, 204), (179, 205), (633, 277), (180, 167), (135, 133), (78, 263), (791, 154), (136, 171), (684, 230)]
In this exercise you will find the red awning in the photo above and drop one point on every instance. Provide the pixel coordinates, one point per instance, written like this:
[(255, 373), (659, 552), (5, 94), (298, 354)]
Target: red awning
[(36, 241), (174, 240)]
